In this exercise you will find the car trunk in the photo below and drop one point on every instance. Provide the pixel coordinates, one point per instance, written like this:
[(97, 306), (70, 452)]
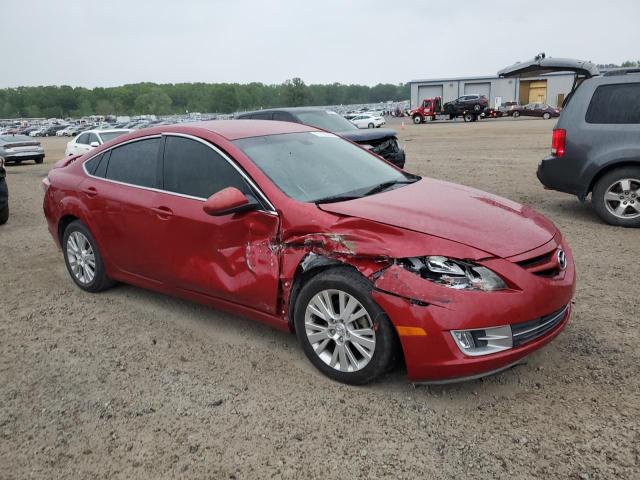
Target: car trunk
[(541, 65), (21, 143)]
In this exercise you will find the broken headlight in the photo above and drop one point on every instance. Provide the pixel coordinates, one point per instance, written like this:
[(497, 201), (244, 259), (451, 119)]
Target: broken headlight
[(458, 274)]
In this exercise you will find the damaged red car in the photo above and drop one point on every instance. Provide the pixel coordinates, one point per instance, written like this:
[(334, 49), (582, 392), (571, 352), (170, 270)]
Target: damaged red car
[(308, 232)]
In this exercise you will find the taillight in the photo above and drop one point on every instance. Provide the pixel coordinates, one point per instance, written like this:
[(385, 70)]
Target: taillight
[(558, 141)]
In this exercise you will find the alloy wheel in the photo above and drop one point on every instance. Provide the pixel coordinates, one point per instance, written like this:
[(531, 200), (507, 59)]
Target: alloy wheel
[(81, 257), (622, 198), (340, 330)]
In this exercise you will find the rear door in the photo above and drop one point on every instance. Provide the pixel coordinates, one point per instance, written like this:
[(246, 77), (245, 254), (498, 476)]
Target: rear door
[(120, 192), (230, 256), (81, 144)]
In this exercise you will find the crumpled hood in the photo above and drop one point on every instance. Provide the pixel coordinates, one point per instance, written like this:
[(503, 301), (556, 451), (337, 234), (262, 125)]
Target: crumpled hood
[(368, 134), (462, 214)]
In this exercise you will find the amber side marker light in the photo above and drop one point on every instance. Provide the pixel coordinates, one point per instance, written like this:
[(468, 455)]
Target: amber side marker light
[(411, 332)]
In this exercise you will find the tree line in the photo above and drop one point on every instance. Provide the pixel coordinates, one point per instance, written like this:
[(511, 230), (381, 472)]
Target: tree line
[(164, 99)]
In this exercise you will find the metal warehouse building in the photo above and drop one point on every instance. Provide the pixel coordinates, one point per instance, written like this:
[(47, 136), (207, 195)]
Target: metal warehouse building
[(551, 89)]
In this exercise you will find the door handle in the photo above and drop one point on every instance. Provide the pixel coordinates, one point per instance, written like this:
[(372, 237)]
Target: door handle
[(162, 212), (90, 191)]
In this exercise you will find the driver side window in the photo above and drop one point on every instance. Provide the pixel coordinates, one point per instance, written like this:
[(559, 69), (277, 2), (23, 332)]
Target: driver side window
[(197, 170)]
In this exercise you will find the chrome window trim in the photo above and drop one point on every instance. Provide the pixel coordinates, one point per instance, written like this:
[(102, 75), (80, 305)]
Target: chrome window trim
[(272, 209)]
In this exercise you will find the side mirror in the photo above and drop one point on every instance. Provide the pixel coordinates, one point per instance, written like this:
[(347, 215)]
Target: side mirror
[(94, 144), (229, 200)]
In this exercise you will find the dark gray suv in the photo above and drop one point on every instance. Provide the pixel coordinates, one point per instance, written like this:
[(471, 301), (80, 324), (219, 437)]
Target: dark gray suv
[(595, 147)]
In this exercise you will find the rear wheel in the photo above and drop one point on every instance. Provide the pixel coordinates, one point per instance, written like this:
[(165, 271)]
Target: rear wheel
[(343, 332), (371, 125), (546, 115), (83, 259), (477, 107), (469, 117), (616, 197), (39, 160), (515, 114)]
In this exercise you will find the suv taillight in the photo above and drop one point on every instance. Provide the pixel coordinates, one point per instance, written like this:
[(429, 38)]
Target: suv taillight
[(558, 142)]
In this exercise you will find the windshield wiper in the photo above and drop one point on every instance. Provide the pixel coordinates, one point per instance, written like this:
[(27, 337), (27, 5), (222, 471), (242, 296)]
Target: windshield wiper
[(336, 198), (385, 185)]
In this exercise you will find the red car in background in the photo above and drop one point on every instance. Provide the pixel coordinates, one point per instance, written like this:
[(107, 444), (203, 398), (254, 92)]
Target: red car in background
[(534, 110), (303, 230)]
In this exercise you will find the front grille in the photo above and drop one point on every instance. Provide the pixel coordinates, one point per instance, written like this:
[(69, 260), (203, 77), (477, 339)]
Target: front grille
[(545, 265), (528, 331)]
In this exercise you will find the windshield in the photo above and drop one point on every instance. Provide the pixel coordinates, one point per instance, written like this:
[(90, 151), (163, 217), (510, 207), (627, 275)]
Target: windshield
[(315, 166), (326, 120), (107, 136)]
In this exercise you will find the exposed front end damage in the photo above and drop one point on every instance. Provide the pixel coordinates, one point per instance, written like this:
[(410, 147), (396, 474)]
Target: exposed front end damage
[(422, 311)]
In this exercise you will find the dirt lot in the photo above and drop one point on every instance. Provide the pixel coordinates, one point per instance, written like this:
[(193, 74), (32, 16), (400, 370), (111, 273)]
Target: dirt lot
[(130, 384)]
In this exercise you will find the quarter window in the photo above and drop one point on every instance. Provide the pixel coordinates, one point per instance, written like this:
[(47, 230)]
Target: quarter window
[(92, 138), (615, 104), (83, 139), (195, 169), (135, 163)]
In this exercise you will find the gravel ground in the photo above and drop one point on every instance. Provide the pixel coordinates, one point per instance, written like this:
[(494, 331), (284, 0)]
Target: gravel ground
[(132, 384)]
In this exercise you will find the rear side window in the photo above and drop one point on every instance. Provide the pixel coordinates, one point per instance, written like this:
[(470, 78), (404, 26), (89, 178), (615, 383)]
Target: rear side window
[(92, 164), (83, 139), (135, 163), (617, 104), (192, 168), (282, 116)]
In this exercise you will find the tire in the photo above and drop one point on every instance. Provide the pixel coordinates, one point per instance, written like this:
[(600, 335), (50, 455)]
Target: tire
[(546, 115), (613, 183), (417, 119), (477, 107), (334, 337), (469, 117), (515, 114), (99, 281), (39, 160), (371, 125)]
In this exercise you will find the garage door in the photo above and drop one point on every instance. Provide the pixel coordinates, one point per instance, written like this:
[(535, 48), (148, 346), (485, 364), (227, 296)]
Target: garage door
[(429, 91), (483, 88)]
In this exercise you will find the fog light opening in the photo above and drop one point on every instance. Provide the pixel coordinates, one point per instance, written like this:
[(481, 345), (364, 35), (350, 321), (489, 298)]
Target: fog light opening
[(483, 341)]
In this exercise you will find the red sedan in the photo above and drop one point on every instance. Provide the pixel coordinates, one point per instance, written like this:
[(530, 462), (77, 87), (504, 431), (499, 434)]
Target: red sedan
[(305, 231)]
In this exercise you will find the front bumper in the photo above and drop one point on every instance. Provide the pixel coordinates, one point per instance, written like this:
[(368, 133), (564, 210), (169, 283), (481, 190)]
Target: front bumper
[(424, 315)]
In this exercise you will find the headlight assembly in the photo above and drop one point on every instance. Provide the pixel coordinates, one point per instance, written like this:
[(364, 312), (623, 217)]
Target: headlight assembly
[(457, 274)]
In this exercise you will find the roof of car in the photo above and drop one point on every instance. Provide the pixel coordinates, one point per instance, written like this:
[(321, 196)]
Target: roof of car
[(236, 129)]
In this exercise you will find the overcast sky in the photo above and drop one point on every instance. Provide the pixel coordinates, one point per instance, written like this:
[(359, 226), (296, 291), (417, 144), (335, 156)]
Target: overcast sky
[(113, 42)]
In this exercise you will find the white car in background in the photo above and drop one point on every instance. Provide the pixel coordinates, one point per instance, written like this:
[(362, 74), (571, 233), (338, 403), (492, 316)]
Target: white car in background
[(90, 139), (365, 120)]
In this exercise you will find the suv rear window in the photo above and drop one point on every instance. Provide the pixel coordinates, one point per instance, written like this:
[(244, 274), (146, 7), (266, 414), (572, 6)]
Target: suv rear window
[(618, 103)]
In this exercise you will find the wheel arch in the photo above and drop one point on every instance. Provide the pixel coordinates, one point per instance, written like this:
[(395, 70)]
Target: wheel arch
[(609, 167), (310, 266)]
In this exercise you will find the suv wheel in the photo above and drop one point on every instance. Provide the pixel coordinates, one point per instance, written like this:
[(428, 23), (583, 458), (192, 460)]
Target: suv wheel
[(83, 259), (616, 197), (343, 332)]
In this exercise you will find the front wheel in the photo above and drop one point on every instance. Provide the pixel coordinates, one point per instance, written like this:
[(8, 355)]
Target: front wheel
[(469, 117), (371, 125), (546, 115), (4, 215), (515, 114), (417, 119), (343, 332), (616, 197), (83, 259)]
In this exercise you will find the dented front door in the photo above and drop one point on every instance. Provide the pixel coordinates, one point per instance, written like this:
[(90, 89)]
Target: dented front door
[(230, 257)]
